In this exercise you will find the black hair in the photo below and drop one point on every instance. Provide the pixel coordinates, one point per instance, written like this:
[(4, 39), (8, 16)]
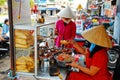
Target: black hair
[(113, 2), (97, 48), (5, 21), (87, 44)]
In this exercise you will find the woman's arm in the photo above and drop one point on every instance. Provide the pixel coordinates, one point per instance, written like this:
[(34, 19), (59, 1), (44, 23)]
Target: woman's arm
[(56, 28), (78, 47), (90, 71), (1, 39), (73, 31), (56, 31)]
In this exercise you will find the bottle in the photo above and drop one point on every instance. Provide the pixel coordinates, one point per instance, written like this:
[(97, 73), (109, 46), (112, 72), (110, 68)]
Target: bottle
[(42, 20), (46, 64), (52, 61)]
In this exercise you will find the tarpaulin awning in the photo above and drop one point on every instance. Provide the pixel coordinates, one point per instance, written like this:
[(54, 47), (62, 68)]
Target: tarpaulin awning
[(47, 8), (41, 8), (51, 8)]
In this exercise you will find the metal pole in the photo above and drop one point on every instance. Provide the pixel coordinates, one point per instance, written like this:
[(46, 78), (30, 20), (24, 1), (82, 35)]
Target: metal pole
[(87, 4), (12, 54), (116, 33)]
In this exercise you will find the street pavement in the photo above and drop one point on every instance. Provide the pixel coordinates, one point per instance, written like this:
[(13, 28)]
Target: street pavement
[(4, 66)]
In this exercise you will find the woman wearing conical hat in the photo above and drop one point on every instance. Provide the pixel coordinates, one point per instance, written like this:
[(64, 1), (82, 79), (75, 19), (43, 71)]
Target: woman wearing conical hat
[(96, 56), (65, 28)]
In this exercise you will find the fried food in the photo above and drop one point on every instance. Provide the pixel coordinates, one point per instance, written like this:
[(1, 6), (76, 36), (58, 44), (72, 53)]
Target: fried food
[(64, 57), (65, 42)]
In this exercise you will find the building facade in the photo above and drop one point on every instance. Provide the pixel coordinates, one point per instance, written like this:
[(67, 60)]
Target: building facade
[(51, 7)]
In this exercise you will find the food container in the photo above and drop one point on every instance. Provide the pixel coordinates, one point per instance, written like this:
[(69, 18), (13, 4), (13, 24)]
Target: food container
[(62, 60), (54, 71), (44, 66)]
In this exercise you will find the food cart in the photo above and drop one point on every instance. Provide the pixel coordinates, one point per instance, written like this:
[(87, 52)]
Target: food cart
[(37, 67), (25, 49)]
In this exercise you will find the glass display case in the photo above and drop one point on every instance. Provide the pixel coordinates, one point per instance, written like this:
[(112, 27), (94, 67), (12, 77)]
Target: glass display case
[(27, 40)]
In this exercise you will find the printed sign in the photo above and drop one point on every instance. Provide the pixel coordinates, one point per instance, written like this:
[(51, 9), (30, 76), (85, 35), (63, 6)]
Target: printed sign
[(79, 26)]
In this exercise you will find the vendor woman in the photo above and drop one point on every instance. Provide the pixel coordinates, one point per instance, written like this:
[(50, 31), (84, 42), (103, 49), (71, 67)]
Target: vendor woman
[(96, 56), (65, 28)]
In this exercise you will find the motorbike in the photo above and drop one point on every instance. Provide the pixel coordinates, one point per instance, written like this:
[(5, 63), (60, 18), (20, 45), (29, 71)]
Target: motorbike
[(4, 49), (113, 54)]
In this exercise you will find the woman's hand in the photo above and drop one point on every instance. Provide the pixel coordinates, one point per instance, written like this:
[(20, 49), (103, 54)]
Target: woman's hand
[(56, 32), (73, 64), (75, 44), (65, 42), (1, 39)]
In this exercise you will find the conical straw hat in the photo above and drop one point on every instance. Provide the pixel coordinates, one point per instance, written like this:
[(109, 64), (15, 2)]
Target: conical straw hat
[(98, 36), (79, 7), (67, 13)]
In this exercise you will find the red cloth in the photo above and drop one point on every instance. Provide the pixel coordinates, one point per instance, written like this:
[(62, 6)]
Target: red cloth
[(67, 32), (99, 60)]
